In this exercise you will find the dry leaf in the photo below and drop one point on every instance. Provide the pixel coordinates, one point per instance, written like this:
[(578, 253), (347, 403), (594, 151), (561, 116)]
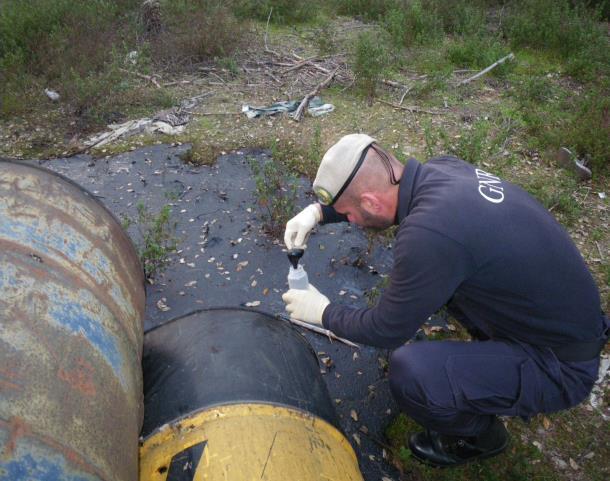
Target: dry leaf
[(546, 422), (327, 361), (265, 291), (356, 438), (161, 304), (364, 429), (573, 464), (354, 415)]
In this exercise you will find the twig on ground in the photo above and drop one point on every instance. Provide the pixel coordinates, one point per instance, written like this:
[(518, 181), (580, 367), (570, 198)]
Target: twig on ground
[(177, 82), (267, 49), (601, 256), (298, 65), (317, 329), (218, 77), (377, 441), (391, 83), (412, 109), (510, 56), (141, 75), (404, 94), (298, 115), (211, 113)]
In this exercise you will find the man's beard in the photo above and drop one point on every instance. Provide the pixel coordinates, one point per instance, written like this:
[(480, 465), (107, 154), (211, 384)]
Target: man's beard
[(373, 222)]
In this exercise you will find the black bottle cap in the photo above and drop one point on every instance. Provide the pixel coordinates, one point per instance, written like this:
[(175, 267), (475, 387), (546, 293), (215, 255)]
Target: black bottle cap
[(294, 256)]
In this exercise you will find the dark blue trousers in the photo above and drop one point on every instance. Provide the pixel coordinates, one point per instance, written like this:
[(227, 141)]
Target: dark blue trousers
[(456, 388)]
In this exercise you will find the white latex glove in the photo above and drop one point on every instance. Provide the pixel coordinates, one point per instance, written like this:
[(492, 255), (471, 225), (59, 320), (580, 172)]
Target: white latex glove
[(299, 227), (306, 305)]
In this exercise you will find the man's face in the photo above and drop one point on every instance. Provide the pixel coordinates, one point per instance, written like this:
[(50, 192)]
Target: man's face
[(359, 216)]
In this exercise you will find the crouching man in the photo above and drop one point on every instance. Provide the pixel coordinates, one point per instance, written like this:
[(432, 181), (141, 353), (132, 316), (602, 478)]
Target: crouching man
[(499, 261)]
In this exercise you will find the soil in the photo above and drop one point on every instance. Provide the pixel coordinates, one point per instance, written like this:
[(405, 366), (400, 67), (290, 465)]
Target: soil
[(225, 259)]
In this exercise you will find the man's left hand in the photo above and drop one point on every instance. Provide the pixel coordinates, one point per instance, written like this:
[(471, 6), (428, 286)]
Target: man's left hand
[(306, 304)]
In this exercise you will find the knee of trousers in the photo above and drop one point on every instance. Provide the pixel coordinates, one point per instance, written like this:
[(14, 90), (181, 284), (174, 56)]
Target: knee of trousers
[(408, 375)]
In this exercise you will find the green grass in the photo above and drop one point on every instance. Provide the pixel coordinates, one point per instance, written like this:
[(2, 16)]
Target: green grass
[(156, 237), (571, 434)]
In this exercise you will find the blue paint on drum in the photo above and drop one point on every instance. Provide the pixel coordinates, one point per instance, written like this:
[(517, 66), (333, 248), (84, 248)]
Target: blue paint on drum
[(74, 317), (27, 468)]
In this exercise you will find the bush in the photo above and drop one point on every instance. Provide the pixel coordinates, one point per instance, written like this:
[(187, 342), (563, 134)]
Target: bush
[(195, 30), (369, 9), (370, 59), (570, 31), (41, 38), (462, 17), (284, 11), (413, 24), (588, 132), (556, 118), (477, 52), (276, 192)]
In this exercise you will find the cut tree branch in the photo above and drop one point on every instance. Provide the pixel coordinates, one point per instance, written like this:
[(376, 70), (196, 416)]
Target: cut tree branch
[(510, 56), (410, 109), (298, 115), (318, 329)]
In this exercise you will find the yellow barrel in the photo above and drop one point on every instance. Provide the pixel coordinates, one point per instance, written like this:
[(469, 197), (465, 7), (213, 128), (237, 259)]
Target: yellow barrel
[(237, 395), (71, 314)]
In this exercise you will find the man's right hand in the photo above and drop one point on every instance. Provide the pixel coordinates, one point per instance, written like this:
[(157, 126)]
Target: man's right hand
[(299, 227)]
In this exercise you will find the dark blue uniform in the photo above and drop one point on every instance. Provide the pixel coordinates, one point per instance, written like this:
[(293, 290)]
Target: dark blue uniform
[(510, 273)]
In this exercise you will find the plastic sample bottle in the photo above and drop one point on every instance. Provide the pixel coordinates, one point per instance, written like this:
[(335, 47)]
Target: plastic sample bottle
[(297, 277)]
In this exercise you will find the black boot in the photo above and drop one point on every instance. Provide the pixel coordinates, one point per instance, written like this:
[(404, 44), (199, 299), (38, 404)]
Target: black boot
[(440, 450)]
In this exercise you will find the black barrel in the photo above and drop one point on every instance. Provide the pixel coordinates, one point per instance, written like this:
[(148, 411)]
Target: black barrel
[(237, 394)]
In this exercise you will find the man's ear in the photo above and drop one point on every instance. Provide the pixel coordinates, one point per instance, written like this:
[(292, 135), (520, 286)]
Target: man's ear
[(370, 203)]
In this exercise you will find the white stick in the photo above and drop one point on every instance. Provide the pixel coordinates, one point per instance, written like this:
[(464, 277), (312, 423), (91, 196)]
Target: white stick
[(317, 329), (303, 105), (510, 56)]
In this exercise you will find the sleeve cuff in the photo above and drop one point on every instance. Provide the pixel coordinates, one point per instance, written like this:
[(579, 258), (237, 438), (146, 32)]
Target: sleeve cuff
[(330, 215)]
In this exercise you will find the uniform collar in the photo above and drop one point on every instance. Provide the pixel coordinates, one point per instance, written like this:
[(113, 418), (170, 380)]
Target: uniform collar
[(405, 189)]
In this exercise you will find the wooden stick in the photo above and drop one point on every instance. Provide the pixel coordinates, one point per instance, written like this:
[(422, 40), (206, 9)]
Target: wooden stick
[(391, 83), (510, 56), (298, 65), (601, 256), (298, 115), (404, 95), (317, 329), (211, 113), (267, 49), (410, 109), (141, 75)]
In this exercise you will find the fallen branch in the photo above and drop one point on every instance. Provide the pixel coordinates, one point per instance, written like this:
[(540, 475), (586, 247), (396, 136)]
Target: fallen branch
[(267, 49), (404, 94), (410, 109), (391, 83), (510, 56), (298, 115), (317, 329), (315, 65), (141, 75), (298, 65), (211, 113)]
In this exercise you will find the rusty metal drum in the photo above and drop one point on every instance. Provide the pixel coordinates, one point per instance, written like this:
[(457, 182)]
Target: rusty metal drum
[(71, 327)]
